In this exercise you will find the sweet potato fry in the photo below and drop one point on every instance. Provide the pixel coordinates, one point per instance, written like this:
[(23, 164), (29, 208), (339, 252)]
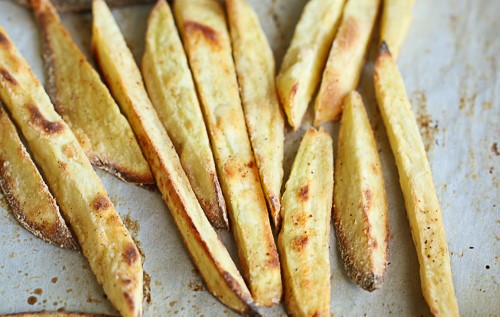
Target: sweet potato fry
[(422, 205)]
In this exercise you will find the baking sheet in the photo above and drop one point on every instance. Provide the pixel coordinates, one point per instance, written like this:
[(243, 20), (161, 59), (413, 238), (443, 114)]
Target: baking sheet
[(449, 63)]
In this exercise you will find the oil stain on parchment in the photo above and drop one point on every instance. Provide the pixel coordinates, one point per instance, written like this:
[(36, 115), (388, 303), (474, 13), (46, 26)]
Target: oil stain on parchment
[(428, 127)]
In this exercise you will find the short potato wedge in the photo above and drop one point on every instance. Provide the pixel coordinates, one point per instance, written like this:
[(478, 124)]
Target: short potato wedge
[(85, 103), (305, 59), (396, 19), (422, 205), (360, 209), (346, 59), (202, 24), (305, 233), (171, 89), (104, 240), (24, 188), (255, 69), (207, 251)]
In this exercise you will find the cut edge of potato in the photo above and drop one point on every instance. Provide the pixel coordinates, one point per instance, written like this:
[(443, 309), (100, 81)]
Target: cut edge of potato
[(360, 208)]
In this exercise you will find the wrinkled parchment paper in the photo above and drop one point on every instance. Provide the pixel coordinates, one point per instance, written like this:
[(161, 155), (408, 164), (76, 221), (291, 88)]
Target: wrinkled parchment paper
[(449, 63)]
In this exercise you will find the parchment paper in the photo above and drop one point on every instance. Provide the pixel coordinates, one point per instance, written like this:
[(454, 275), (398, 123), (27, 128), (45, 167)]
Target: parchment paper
[(449, 63)]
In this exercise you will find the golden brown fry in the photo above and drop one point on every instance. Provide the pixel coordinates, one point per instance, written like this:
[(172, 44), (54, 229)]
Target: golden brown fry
[(85, 103), (202, 24), (415, 176), (172, 92), (207, 251), (346, 59), (304, 60), (255, 69), (81, 5), (305, 232), (360, 211), (29, 197), (396, 19), (104, 240)]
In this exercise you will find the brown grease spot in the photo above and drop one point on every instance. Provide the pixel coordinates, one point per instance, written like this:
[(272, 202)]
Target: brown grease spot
[(196, 287), (131, 255), (101, 203), (494, 149), (47, 126), (32, 300), (193, 27), (146, 287), (7, 76), (300, 243), (38, 291), (54, 280), (304, 193)]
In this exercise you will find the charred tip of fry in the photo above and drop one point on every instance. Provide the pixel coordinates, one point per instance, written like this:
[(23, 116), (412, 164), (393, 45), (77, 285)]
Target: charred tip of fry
[(384, 49)]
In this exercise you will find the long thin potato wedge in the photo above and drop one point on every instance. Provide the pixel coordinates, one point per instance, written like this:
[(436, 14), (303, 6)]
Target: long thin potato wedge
[(207, 251), (24, 188), (346, 59), (85, 103), (254, 61), (396, 19), (415, 176), (55, 314), (81, 5), (305, 232), (172, 92), (360, 209), (104, 240), (305, 59), (203, 28)]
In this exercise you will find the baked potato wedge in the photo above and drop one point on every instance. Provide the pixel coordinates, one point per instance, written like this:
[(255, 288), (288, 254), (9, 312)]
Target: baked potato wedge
[(81, 5), (396, 19), (202, 24), (26, 192), (171, 89), (104, 240), (300, 71), (206, 249), (54, 314), (84, 102), (254, 62), (346, 59), (305, 233), (421, 202), (360, 208)]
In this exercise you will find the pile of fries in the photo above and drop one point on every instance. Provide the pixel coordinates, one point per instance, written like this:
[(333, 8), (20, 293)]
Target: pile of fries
[(204, 120)]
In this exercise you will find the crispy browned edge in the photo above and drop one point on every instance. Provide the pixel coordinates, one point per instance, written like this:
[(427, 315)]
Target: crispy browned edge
[(367, 280), (57, 234), (42, 13), (84, 5)]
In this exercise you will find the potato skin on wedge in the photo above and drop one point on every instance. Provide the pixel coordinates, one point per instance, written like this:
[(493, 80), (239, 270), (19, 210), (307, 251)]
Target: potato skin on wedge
[(305, 232), (24, 188), (396, 19), (202, 24), (305, 59), (104, 240), (85, 103), (207, 251), (254, 61), (415, 176), (173, 94), (360, 203), (346, 58)]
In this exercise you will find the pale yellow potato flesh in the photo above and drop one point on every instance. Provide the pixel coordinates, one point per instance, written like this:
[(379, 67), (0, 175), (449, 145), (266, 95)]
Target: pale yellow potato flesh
[(209, 255), (173, 94), (254, 62), (104, 240), (54, 314), (203, 28), (346, 59), (26, 192), (360, 208), (85, 103), (305, 232), (301, 69), (396, 19), (415, 176)]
